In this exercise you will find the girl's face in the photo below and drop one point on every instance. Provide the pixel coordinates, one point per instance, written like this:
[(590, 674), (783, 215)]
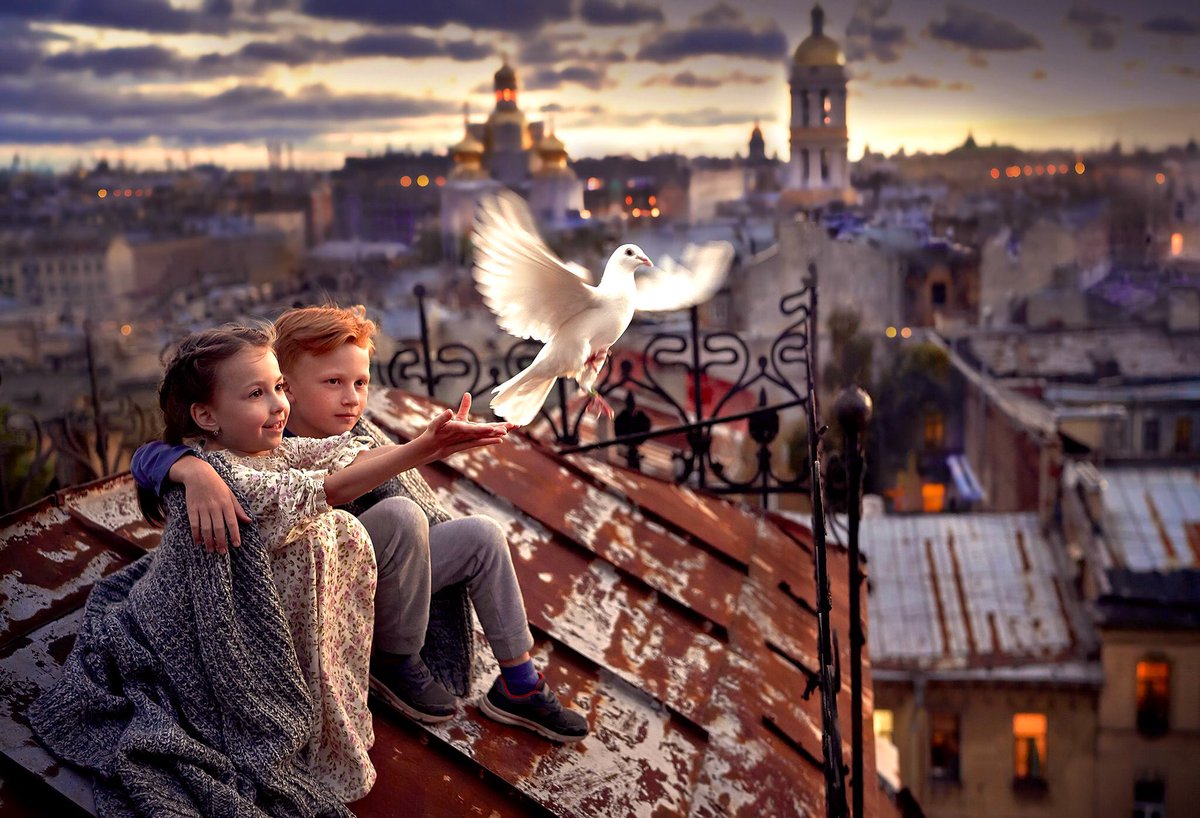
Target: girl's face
[(249, 408)]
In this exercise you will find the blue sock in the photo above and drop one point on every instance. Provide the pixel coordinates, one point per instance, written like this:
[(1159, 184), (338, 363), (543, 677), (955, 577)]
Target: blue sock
[(520, 679)]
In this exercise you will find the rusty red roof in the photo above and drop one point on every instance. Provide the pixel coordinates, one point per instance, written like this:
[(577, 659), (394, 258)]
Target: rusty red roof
[(680, 623)]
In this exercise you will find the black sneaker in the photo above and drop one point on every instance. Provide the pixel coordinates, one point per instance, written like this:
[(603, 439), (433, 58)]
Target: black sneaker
[(410, 688), (537, 710)]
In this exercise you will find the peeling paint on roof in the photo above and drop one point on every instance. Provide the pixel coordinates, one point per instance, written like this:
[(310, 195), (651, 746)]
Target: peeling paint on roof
[(680, 624)]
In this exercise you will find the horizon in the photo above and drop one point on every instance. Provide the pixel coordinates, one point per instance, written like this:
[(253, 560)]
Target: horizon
[(211, 81)]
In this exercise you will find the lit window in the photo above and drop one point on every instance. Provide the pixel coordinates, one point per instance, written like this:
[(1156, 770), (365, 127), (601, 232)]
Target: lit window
[(1176, 244), (935, 429), (1160, 178), (1080, 168), (885, 724), (1183, 434), (422, 180), (943, 746), (1153, 696), (1029, 746), (995, 173)]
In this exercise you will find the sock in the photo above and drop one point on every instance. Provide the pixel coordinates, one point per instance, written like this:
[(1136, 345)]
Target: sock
[(520, 679)]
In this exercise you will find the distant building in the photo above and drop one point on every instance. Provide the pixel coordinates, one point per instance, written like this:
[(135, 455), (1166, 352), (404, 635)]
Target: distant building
[(818, 172)]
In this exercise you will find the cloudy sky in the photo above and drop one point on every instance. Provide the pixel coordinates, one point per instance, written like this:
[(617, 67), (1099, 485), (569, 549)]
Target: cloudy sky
[(141, 80)]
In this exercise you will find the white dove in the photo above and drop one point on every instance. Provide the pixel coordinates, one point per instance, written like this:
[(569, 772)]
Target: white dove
[(537, 295)]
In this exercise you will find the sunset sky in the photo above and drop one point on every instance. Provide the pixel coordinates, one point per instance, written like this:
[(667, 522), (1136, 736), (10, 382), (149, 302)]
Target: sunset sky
[(141, 80)]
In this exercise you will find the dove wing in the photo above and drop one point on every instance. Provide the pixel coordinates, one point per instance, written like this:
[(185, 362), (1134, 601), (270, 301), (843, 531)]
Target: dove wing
[(693, 280), (531, 290)]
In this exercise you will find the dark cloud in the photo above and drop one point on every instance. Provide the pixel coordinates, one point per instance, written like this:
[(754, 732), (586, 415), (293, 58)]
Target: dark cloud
[(868, 35), (549, 49), (545, 79), (1096, 25), (924, 83), (619, 13), (979, 30), (147, 59), (559, 108), (690, 79), (1175, 25), (157, 16), (77, 113), (523, 16), (720, 30)]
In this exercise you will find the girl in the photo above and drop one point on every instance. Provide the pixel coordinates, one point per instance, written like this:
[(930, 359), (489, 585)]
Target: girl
[(224, 386)]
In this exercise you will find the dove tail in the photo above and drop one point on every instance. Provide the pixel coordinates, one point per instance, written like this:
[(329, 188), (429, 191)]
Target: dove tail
[(518, 399)]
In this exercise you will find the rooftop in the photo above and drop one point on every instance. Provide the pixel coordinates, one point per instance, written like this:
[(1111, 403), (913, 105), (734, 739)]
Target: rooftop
[(683, 625), (974, 594), (1151, 518)]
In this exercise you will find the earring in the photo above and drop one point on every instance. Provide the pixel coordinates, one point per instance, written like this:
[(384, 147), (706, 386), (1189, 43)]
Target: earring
[(215, 433)]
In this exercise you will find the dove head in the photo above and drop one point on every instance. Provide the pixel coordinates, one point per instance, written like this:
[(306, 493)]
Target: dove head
[(627, 258)]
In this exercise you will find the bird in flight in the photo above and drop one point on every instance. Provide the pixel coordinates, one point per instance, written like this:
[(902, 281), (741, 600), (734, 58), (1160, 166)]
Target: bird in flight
[(535, 294)]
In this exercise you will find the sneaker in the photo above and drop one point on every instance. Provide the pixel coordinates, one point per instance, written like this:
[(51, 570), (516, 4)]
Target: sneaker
[(538, 710), (410, 688)]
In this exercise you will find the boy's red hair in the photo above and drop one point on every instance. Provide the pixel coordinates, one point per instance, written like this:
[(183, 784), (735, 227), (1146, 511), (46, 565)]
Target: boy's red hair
[(319, 330)]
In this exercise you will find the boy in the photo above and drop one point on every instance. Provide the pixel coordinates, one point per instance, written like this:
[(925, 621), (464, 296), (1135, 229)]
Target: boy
[(325, 356)]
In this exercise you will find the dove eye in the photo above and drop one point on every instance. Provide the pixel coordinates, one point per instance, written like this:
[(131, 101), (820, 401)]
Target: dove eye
[(628, 252)]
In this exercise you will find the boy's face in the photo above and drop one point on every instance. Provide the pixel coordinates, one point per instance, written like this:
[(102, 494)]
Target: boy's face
[(328, 392)]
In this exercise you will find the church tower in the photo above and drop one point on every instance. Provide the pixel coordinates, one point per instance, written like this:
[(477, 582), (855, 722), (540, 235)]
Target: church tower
[(818, 171), (508, 139)]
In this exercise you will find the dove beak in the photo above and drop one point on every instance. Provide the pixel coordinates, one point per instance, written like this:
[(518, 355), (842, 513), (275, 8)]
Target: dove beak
[(646, 261)]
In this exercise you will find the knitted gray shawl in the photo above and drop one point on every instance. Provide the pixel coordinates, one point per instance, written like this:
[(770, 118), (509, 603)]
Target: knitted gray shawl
[(182, 694)]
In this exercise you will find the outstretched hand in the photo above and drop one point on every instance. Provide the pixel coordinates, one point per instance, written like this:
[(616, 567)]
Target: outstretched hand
[(452, 432)]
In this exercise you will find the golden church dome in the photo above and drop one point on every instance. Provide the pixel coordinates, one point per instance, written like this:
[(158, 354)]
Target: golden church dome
[(818, 49), (468, 145)]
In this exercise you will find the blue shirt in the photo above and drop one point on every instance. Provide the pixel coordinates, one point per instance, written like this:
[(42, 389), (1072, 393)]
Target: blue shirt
[(152, 462)]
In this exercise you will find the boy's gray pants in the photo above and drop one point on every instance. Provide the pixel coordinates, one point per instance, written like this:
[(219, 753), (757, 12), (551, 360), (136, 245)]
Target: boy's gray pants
[(416, 561)]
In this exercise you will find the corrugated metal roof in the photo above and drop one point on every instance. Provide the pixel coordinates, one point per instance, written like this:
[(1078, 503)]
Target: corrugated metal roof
[(681, 624), (1152, 517), (957, 591)]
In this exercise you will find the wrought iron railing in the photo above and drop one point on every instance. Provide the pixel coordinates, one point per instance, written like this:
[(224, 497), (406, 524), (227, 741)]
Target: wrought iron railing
[(696, 355), (636, 380)]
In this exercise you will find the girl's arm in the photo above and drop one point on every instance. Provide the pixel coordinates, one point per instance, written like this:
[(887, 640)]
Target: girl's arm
[(445, 436)]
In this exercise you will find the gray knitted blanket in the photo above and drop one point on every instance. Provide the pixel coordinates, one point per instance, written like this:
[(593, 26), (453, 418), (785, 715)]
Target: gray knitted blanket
[(182, 694)]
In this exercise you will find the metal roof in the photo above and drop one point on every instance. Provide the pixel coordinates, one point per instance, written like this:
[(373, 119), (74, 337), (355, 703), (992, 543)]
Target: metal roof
[(681, 624), (1152, 517), (955, 592)]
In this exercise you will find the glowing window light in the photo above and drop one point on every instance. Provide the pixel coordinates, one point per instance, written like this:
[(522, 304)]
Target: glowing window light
[(138, 193), (1176, 244), (995, 173), (1062, 168), (405, 181), (1080, 167), (441, 180), (128, 192), (653, 201), (126, 329), (1028, 170), (906, 333), (628, 200), (585, 214), (594, 183), (890, 332), (1051, 169), (101, 193), (1161, 178), (654, 212), (422, 180), (1039, 170), (637, 212)]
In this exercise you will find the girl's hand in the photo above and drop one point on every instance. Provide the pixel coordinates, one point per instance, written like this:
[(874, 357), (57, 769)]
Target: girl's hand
[(212, 509), (452, 432)]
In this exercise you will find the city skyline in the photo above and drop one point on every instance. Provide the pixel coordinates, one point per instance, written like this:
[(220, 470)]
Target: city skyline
[(142, 81)]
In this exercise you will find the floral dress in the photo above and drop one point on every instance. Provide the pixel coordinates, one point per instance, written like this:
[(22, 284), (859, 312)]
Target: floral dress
[(324, 569)]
